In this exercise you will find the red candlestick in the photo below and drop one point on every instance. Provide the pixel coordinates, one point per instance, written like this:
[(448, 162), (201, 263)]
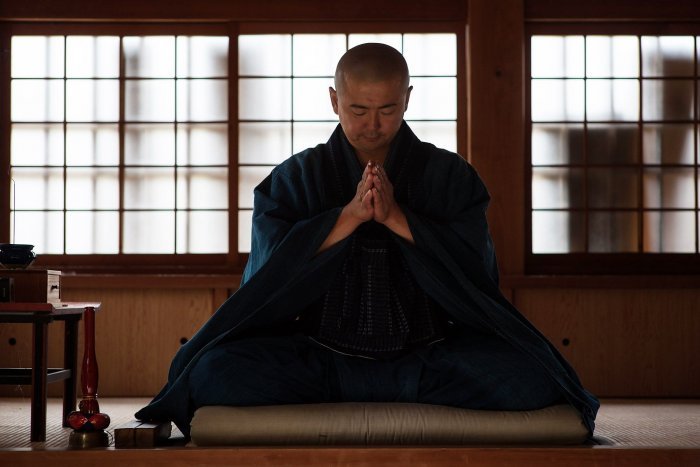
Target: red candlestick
[(88, 418), (89, 405)]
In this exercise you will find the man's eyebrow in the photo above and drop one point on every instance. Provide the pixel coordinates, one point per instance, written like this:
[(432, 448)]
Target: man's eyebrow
[(364, 107)]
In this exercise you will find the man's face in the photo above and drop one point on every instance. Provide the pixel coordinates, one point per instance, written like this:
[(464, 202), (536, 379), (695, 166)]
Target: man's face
[(371, 114)]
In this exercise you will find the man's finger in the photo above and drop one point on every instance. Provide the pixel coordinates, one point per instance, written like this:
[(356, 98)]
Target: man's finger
[(367, 199)]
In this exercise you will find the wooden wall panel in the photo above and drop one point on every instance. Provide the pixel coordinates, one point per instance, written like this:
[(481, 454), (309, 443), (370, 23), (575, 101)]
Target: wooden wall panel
[(137, 332), (623, 343), (17, 354)]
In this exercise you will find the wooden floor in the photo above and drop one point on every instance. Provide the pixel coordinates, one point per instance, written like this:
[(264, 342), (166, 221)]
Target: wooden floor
[(629, 433)]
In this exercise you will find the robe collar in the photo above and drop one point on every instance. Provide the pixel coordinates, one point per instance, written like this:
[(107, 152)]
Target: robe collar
[(400, 165)]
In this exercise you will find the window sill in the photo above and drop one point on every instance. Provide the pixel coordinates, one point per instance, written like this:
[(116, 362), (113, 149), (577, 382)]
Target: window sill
[(600, 282), (232, 281), (150, 281)]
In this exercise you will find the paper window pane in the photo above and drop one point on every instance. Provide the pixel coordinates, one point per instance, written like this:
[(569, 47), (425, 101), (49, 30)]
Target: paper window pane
[(202, 56), (152, 100), (612, 56), (151, 144), (394, 40), (310, 134), (92, 144), (612, 188), (248, 179), (202, 188), (202, 232), (36, 100), (92, 57), (317, 54), (667, 100), (613, 232), (667, 56), (669, 188), (433, 98), (554, 188), (202, 100), (92, 188), (668, 144), (92, 100), (264, 143), (313, 98), (612, 99), (265, 99), (441, 134), (44, 230), (557, 100), (149, 57), (245, 230), (265, 55), (558, 232), (430, 54), (37, 57), (37, 188), (151, 188), (557, 57), (557, 144), (613, 144), (91, 232), (202, 144), (36, 144), (669, 232), (149, 232)]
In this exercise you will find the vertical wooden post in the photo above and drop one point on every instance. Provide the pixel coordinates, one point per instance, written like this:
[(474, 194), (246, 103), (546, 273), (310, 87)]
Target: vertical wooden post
[(496, 120), (39, 368), (70, 361)]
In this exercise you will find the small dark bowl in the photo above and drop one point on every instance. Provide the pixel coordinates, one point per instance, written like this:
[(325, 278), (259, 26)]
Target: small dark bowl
[(16, 255)]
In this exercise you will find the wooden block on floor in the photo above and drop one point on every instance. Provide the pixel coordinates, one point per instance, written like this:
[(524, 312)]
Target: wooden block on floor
[(138, 434), (148, 435), (124, 434)]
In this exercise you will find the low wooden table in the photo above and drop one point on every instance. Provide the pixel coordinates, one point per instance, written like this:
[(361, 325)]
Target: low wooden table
[(40, 315)]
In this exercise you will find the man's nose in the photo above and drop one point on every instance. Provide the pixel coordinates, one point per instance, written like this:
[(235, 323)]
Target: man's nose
[(374, 121)]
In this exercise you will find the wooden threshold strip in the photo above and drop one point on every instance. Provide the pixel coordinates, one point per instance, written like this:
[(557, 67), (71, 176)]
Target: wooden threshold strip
[(374, 456)]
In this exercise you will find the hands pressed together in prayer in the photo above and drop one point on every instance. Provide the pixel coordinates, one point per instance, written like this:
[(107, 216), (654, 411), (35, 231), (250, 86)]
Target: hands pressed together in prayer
[(374, 200)]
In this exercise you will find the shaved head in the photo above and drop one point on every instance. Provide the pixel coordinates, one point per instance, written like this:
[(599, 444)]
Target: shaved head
[(371, 63), (371, 96)]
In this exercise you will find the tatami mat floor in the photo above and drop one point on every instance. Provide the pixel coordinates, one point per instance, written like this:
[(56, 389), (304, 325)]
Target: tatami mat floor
[(663, 423), (15, 415)]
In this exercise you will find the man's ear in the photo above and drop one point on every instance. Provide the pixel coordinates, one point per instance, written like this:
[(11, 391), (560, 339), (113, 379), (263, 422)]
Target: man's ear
[(408, 96), (334, 99)]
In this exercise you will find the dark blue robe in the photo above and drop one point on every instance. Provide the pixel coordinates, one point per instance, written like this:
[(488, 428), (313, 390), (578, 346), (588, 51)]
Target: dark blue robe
[(453, 258)]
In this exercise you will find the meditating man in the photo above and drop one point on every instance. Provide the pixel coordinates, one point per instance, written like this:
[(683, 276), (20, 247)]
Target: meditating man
[(372, 277)]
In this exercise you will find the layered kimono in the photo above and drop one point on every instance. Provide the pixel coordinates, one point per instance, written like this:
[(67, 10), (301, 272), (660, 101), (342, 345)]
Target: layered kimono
[(453, 258)]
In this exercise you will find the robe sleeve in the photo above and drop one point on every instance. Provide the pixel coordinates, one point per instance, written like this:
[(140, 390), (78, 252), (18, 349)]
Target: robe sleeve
[(451, 224), (287, 223)]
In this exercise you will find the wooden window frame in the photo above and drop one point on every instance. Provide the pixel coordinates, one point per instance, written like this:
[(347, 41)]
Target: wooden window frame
[(606, 263), (232, 262)]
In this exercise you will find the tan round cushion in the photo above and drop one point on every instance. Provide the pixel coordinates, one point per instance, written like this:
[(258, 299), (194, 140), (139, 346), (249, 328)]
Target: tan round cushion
[(393, 423)]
